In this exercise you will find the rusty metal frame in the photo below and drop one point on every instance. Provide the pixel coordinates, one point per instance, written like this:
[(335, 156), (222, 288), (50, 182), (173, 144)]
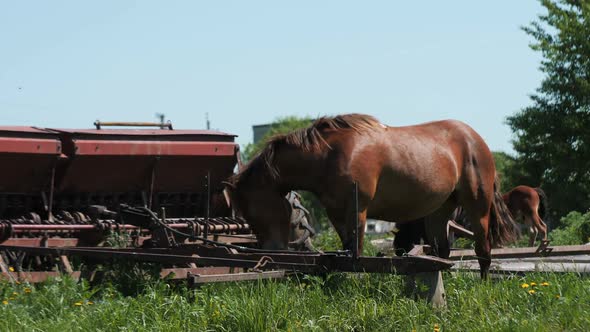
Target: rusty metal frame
[(312, 263), (525, 252)]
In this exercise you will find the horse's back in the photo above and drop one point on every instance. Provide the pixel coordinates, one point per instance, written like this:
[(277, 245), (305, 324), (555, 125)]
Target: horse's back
[(422, 165), (440, 149)]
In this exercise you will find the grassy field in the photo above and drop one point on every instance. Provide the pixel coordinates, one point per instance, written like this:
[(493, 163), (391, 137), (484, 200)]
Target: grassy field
[(338, 303)]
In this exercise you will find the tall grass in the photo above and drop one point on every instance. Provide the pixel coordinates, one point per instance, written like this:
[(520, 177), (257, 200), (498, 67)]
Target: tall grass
[(337, 303)]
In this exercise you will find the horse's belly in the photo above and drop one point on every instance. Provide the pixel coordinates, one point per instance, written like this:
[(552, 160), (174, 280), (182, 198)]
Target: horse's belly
[(405, 210), (408, 198)]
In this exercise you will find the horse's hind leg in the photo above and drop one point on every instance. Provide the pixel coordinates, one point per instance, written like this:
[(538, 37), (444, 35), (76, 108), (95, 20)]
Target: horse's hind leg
[(436, 229), (483, 248), (478, 214), (530, 223), (532, 236), (540, 226)]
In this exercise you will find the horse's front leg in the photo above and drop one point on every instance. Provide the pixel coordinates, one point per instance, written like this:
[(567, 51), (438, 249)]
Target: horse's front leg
[(345, 223)]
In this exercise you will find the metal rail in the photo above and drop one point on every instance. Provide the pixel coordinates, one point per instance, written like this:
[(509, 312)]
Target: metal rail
[(525, 252), (165, 125), (306, 263)]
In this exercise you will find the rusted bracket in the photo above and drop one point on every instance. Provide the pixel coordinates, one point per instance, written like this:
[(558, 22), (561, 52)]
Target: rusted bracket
[(197, 279), (544, 248), (262, 263), (459, 230), (420, 250)]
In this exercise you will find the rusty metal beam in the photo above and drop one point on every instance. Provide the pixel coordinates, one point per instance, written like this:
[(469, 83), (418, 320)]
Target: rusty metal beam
[(525, 252), (74, 242), (30, 146), (160, 125), (153, 148), (202, 279), (182, 273), (171, 274), (42, 242), (21, 228), (307, 263), (36, 276)]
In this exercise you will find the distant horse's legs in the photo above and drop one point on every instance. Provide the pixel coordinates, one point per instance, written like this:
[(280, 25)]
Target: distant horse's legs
[(436, 229), (541, 226), (528, 220), (409, 234), (536, 226)]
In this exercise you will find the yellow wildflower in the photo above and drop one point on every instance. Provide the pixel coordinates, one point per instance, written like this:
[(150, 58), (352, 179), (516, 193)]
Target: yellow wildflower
[(14, 293), (525, 285), (436, 328), (90, 303), (27, 290), (78, 304), (12, 298), (17, 282), (533, 284), (545, 284), (4, 302), (557, 296), (532, 291), (11, 269)]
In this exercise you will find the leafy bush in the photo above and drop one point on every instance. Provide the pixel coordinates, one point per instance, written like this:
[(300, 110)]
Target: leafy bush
[(575, 229), (327, 240)]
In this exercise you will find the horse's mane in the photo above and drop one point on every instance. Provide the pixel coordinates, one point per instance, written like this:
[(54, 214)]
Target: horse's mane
[(308, 139)]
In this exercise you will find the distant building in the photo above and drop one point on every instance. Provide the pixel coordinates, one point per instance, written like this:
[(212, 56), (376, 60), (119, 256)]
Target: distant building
[(260, 131), (374, 226)]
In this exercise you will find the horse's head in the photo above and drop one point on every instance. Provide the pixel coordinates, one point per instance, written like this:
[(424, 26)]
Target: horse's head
[(266, 210)]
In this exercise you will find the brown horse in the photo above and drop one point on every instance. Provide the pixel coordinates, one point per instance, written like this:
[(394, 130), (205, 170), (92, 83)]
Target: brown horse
[(402, 173), (525, 204), (529, 204)]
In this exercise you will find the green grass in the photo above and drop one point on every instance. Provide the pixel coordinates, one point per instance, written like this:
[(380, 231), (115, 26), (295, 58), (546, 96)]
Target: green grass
[(132, 300), (337, 303)]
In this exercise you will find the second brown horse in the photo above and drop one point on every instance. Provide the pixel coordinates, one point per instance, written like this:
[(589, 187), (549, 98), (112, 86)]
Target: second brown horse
[(525, 204), (402, 173), (530, 204)]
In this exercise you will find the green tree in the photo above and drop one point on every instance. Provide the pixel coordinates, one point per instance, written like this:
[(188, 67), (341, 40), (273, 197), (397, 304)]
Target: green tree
[(552, 135), (505, 167), (279, 126)]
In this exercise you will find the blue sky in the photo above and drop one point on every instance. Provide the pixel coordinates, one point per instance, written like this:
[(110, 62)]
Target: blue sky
[(67, 63)]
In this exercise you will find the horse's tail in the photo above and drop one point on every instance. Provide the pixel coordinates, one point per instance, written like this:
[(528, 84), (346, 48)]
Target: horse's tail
[(543, 204), (502, 227)]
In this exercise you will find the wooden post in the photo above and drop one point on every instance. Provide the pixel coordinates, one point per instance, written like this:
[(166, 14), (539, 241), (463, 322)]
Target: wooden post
[(5, 270), (426, 285)]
